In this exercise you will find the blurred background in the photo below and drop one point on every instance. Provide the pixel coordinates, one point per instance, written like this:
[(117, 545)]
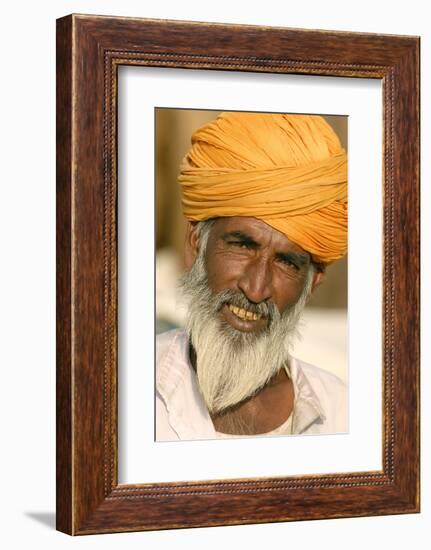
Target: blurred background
[(324, 322)]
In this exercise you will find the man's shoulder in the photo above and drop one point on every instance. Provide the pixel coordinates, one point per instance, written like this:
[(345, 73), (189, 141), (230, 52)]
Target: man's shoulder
[(171, 361), (329, 394), (168, 340), (313, 371), (321, 380)]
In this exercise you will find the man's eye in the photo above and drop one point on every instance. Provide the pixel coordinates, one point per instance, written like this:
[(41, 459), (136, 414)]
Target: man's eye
[(289, 263), (239, 244)]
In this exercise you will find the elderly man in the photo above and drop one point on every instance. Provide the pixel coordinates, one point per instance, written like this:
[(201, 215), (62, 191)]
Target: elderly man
[(266, 200)]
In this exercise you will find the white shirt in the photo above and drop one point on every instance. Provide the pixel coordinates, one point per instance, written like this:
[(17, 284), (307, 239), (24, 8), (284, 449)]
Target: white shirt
[(320, 402)]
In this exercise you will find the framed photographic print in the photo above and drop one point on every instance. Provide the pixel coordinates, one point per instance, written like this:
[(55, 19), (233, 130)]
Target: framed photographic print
[(284, 165), (319, 337)]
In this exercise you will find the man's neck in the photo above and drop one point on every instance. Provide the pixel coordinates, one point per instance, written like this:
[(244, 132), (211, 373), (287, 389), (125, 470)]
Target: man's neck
[(192, 356), (262, 413)]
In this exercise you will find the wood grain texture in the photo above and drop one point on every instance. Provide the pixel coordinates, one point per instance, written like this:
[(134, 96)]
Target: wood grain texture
[(90, 49), (64, 497)]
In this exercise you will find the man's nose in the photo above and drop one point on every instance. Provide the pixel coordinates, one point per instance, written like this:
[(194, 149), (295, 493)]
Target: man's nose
[(256, 280)]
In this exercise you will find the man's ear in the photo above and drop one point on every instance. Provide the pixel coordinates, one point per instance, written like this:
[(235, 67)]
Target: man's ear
[(318, 278), (191, 245)]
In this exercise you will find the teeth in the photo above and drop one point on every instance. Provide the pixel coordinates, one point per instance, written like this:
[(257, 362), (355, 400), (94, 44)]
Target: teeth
[(244, 314)]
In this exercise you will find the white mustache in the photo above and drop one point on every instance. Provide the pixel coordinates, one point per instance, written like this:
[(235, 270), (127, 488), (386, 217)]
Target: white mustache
[(236, 298)]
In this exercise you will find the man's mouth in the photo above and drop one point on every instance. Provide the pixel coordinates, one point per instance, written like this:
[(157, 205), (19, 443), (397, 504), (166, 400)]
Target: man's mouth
[(244, 313)]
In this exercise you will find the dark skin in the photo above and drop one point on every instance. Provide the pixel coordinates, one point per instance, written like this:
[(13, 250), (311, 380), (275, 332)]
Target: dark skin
[(248, 255)]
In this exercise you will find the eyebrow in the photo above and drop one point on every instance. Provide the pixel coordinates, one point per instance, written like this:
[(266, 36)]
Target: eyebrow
[(243, 237), (301, 260), (294, 257)]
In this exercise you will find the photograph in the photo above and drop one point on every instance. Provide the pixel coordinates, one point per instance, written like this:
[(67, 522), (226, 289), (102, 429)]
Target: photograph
[(251, 274)]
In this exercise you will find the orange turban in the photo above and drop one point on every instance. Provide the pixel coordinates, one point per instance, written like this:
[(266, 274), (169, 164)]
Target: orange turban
[(289, 171)]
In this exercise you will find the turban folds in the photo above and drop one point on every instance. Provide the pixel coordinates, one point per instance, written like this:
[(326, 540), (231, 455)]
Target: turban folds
[(289, 171)]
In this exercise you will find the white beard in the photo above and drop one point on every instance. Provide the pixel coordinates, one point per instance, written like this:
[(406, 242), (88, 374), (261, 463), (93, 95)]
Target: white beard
[(232, 365)]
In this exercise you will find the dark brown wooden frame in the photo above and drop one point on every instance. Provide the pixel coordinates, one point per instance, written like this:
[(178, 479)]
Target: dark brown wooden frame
[(89, 51)]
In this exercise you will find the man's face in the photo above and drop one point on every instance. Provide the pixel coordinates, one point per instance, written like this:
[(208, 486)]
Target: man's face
[(246, 286), (247, 255)]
